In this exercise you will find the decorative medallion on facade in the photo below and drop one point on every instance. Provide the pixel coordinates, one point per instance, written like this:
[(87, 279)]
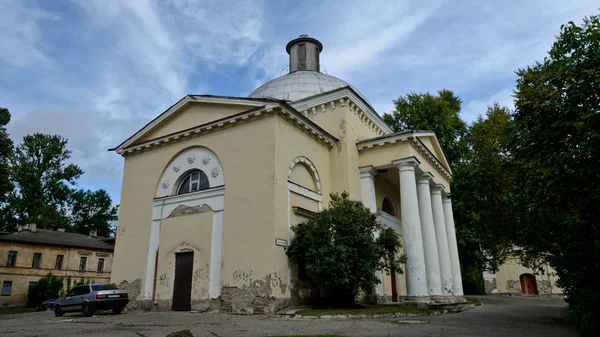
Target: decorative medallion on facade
[(191, 158), (206, 159), (215, 171), (176, 167), (166, 184)]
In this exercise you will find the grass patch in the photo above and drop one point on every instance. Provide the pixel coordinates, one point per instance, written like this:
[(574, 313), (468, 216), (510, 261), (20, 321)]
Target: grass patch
[(366, 310), (473, 300), (11, 311)]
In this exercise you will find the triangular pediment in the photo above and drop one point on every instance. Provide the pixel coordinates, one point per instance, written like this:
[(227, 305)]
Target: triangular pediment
[(191, 111)]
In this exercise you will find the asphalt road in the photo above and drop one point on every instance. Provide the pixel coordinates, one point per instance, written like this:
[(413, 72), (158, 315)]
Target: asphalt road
[(498, 316)]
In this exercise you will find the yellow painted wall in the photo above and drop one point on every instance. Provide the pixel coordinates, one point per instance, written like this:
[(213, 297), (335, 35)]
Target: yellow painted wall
[(247, 154), (179, 234), (303, 177), (22, 273), (292, 143), (191, 115)]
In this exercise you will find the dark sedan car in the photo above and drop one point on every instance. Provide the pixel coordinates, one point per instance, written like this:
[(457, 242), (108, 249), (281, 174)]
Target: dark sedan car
[(47, 304), (88, 298)]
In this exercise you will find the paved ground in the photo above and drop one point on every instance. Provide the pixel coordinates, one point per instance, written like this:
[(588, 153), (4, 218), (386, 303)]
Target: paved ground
[(498, 316)]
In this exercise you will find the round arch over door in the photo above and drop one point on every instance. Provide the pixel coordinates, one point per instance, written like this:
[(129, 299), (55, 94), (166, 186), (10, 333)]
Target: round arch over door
[(528, 284)]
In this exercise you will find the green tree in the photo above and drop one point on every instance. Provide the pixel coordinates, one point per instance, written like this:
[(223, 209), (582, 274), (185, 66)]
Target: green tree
[(481, 193), (556, 151), (6, 149), (436, 113), (46, 288), (92, 209), (340, 251), (42, 179)]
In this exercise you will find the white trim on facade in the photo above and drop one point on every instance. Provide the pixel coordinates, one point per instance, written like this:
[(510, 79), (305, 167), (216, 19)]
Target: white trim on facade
[(347, 97), (305, 192)]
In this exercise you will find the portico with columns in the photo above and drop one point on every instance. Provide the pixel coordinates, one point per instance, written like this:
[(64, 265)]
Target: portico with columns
[(404, 168)]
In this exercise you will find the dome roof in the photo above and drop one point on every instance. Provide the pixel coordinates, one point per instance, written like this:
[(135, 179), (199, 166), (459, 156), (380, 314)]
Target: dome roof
[(300, 84), (304, 79)]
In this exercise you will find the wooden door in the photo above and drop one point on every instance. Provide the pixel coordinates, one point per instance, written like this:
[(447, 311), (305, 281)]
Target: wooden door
[(182, 287), (528, 284), (394, 290)]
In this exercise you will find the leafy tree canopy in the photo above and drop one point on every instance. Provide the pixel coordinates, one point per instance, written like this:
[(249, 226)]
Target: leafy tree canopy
[(438, 113), (44, 190), (6, 147), (481, 190), (556, 149), (92, 209), (340, 251)]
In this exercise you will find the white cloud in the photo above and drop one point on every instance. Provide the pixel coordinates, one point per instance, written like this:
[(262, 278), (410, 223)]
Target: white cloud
[(475, 108), (20, 40)]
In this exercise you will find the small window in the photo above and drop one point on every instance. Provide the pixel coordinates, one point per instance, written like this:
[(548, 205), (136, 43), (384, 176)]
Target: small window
[(12, 258), (6, 288), (59, 261), (193, 182), (100, 265), (37, 260), (84, 290), (82, 263), (388, 206), (31, 284)]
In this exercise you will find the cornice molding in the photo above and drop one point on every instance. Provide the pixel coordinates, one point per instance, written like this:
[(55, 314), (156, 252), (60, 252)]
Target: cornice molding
[(343, 97), (304, 124)]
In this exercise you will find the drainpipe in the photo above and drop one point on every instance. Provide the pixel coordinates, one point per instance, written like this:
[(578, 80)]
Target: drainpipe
[(154, 306)]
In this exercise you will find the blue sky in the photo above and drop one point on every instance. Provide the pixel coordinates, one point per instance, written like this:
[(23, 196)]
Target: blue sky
[(95, 71)]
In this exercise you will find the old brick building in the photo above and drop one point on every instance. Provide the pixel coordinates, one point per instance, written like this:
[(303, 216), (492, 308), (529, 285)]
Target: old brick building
[(29, 254)]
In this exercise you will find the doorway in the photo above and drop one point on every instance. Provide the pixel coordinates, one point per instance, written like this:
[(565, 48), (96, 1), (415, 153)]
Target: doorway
[(394, 289), (182, 287), (528, 284)]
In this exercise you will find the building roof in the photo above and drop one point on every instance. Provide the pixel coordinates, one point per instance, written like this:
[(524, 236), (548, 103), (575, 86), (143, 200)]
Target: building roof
[(300, 84), (56, 238)]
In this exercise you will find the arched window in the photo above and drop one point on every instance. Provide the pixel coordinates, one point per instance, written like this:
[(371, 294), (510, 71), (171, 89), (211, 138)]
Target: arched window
[(193, 182), (388, 206)]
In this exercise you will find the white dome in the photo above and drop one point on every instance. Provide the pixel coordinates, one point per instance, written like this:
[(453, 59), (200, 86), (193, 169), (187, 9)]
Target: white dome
[(298, 85)]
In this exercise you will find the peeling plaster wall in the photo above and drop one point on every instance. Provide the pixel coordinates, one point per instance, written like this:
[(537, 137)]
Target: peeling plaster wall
[(184, 233)]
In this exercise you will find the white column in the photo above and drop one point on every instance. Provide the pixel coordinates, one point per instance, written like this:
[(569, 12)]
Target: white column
[(416, 279), (367, 184), (453, 247), (432, 262), (216, 249), (442, 240), (151, 260)]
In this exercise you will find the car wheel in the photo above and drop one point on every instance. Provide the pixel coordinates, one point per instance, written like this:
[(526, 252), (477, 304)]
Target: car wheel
[(58, 311), (117, 310), (86, 311)]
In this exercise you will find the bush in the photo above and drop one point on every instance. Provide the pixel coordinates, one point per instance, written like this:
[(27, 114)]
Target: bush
[(47, 287), (340, 252)]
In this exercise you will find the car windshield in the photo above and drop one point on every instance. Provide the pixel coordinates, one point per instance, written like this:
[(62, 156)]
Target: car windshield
[(99, 287)]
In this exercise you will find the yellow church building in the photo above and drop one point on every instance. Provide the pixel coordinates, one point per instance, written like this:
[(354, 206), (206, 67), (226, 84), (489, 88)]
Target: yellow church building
[(213, 185)]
